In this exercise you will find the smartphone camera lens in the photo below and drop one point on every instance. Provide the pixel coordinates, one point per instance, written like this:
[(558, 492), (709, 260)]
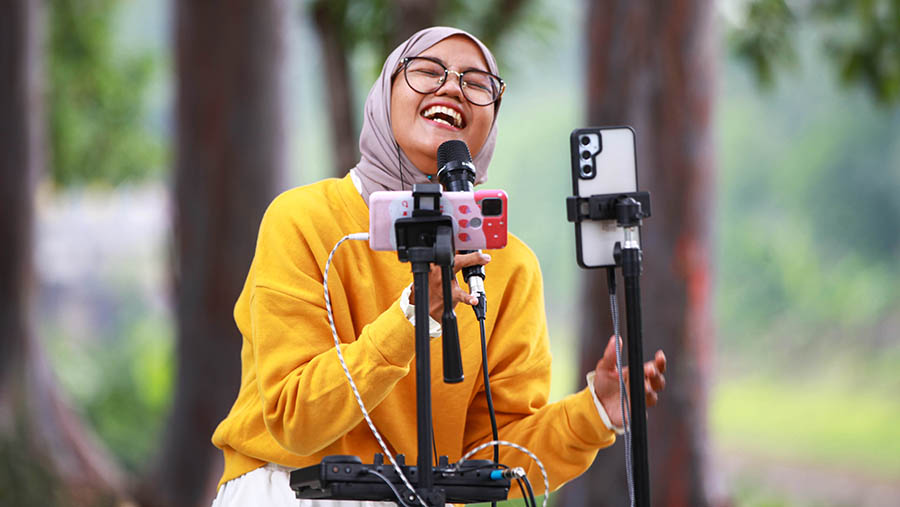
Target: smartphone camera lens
[(491, 206), (585, 140), (587, 171), (585, 154)]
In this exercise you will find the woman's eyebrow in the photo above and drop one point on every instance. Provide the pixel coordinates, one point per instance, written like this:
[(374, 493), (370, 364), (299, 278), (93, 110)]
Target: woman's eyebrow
[(442, 62)]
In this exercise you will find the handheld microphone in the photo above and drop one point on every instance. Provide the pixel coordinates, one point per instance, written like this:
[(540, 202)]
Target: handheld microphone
[(456, 173)]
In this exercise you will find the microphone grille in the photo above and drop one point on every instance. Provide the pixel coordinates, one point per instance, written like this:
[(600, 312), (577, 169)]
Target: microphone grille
[(453, 150)]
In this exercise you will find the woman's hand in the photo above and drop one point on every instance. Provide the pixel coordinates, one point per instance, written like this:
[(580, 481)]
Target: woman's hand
[(436, 291), (606, 381)]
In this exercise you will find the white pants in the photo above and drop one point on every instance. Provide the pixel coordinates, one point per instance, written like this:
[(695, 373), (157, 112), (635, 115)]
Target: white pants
[(270, 486)]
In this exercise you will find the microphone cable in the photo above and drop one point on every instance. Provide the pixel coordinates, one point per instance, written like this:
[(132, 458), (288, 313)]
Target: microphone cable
[(515, 471), (480, 312)]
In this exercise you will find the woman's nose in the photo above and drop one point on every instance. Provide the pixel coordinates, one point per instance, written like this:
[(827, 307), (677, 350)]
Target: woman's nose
[(451, 87)]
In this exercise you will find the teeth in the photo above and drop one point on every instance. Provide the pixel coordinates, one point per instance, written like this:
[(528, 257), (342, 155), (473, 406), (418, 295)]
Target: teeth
[(433, 110)]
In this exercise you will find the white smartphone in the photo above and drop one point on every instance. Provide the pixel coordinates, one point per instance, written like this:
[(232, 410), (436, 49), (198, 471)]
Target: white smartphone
[(603, 162)]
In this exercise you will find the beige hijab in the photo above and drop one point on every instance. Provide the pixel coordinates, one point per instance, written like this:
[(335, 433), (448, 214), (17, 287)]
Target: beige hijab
[(383, 165)]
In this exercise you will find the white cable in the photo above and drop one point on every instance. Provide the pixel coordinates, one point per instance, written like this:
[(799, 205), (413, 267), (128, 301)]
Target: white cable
[(626, 416), (362, 236), (519, 448)]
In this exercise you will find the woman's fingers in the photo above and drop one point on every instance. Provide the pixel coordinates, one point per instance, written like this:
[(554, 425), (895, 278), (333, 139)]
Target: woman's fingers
[(654, 380), (461, 296), (470, 259), (608, 361), (650, 393), (660, 360), (653, 376), (435, 289)]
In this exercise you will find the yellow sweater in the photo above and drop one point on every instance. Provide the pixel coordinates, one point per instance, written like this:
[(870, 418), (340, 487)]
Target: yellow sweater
[(295, 404)]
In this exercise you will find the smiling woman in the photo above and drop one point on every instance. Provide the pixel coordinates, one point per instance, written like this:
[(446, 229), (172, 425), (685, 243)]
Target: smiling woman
[(427, 108), (295, 405)]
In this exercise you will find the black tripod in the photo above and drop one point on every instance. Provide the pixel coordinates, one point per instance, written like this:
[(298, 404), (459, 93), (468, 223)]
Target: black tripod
[(627, 209), (425, 238)]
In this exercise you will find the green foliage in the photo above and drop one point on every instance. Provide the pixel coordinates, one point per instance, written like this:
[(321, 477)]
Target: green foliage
[(819, 422), (371, 25), (765, 40), (862, 37), (96, 99), (809, 220), (866, 51)]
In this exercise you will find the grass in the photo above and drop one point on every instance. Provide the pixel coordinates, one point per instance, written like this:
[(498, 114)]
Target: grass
[(820, 423)]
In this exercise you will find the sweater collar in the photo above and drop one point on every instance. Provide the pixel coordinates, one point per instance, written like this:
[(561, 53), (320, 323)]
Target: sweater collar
[(353, 202)]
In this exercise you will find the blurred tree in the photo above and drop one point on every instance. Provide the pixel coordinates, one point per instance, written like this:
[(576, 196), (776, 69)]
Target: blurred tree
[(95, 99), (651, 65), (862, 38), (345, 27), (46, 455), (832, 184), (230, 156)]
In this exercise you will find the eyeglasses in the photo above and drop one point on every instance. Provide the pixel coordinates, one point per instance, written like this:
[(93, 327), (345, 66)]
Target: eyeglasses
[(426, 75)]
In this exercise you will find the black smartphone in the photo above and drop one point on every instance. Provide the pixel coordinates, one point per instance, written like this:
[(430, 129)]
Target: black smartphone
[(603, 162)]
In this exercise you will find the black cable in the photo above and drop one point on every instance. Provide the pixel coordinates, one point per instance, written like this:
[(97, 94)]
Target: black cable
[(530, 491), (487, 381), (524, 496), (390, 485), (480, 315), (611, 280), (399, 165), (434, 446)]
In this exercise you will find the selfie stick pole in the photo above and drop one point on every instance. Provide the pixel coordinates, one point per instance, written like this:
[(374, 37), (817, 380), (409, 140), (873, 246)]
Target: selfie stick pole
[(628, 255), (627, 209), (424, 239)]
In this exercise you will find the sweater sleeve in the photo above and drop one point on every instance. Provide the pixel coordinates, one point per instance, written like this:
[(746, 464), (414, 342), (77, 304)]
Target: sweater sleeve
[(564, 435), (306, 400)]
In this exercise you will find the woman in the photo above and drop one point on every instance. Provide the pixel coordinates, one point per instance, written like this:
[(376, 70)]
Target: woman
[(295, 405)]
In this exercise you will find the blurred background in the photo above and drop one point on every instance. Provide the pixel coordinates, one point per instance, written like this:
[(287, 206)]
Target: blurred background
[(142, 141)]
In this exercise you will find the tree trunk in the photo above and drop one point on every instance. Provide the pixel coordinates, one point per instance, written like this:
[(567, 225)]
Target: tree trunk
[(328, 17), (409, 17), (230, 158), (652, 66), (46, 454), (502, 17)]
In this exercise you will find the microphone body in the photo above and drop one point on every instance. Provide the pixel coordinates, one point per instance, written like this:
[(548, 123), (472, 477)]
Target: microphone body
[(456, 173)]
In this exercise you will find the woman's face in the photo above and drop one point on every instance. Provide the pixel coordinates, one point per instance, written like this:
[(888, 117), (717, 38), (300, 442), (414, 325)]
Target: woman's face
[(420, 136)]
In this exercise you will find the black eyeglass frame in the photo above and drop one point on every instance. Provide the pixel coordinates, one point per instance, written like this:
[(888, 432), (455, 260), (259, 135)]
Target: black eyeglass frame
[(404, 64)]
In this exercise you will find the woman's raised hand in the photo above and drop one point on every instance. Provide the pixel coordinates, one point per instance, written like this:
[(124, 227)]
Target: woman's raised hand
[(606, 381), (436, 291)]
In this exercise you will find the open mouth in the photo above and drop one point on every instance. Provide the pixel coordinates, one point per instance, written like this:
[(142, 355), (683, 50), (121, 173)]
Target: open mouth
[(446, 115)]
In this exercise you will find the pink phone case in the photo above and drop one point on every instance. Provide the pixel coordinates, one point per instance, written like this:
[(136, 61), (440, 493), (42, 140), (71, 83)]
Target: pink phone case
[(471, 230)]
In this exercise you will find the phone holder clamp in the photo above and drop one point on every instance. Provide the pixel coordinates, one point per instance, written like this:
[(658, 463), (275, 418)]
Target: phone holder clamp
[(604, 207)]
